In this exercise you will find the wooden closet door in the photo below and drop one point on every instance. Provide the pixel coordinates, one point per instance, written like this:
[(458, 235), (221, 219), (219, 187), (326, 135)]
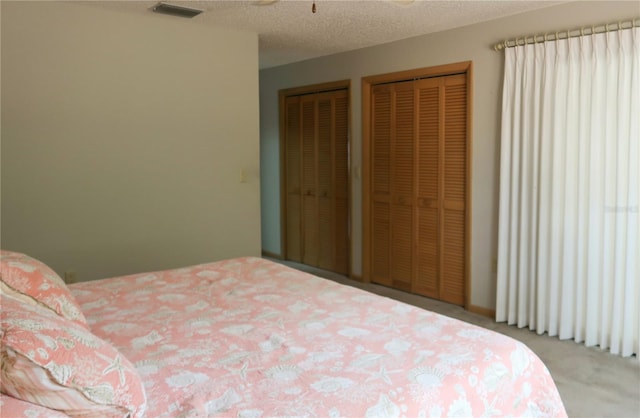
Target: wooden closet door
[(293, 167), (309, 181), (340, 206), (393, 184), (454, 189), (428, 236), (418, 186), (402, 184), (326, 131), (381, 100), (317, 180), (333, 187)]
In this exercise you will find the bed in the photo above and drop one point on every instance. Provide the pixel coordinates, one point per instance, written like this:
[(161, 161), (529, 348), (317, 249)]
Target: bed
[(248, 337)]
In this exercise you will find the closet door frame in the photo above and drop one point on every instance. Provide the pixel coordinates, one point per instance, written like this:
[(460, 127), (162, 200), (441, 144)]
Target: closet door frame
[(298, 91), (465, 67)]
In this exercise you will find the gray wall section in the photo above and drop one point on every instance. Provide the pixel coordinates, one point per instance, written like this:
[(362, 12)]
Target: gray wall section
[(471, 43)]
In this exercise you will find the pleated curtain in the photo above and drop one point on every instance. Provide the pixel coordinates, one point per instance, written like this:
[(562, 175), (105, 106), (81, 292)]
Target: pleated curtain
[(569, 246)]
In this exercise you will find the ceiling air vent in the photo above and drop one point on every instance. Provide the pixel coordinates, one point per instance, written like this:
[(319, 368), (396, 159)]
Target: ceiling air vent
[(173, 10)]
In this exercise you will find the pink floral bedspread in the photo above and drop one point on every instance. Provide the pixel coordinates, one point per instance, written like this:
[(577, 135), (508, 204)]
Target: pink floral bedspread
[(251, 338)]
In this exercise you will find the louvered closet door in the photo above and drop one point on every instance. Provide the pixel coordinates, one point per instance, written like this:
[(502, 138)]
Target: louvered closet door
[(381, 99), (340, 227), (454, 189), (402, 183), (427, 281), (325, 190), (392, 184), (309, 182), (418, 186), (317, 228), (293, 184)]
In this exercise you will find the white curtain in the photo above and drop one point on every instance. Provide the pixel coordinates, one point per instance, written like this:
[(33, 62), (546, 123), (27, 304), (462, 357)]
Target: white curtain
[(569, 246)]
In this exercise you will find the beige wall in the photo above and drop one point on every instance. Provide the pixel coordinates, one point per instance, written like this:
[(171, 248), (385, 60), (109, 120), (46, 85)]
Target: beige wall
[(124, 138), (469, 43)]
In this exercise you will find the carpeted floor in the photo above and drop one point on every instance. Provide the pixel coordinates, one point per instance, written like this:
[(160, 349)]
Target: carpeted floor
[(592, 382)]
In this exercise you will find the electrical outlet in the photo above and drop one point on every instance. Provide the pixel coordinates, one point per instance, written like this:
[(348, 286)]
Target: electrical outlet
[(69, 276)]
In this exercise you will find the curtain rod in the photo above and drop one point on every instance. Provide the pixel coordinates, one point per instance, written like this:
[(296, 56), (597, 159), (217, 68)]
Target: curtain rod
[(565, 34)]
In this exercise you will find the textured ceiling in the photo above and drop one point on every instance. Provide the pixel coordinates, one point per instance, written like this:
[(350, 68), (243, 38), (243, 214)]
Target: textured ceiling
[(289, 31)]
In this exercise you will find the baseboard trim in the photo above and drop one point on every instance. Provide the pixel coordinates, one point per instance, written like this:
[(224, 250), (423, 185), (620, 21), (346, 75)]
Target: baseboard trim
[(272, 255), (491, 313)]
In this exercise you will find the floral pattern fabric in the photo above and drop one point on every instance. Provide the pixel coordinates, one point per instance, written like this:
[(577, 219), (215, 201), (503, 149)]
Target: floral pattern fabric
[(54, 363), (251, 338), (11, 408), (34, 282)]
